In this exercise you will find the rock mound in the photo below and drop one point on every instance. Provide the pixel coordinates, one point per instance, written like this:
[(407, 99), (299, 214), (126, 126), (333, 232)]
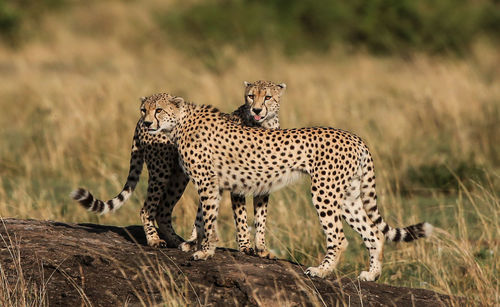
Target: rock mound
[(62, 264)]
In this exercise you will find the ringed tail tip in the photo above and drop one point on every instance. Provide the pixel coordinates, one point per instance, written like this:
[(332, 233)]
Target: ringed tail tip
[(78, 194), (428, 229), (83, 197)]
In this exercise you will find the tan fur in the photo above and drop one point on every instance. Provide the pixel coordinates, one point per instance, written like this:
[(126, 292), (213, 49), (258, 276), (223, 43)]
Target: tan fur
[(218, 154), (167, 180)]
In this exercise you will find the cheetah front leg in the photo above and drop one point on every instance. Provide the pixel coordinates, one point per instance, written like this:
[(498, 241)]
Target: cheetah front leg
[(210, 196), (192, 242), (240, 219)]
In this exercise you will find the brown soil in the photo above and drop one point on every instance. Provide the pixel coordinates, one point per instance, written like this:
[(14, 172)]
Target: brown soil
[(96, 265)]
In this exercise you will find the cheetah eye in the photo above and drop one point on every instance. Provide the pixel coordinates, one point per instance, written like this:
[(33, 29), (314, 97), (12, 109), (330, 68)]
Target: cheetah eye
[(251, 96), (143, 111), (158, 110), (268, 97)]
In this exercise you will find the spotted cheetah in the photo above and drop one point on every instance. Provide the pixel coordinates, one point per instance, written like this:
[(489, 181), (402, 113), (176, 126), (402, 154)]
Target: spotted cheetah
[(167, 180), (218, 155)]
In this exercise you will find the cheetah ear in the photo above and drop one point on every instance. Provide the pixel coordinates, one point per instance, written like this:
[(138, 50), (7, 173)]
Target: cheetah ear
[(283, 87), (176, 101), (247, 84), (143, 98)]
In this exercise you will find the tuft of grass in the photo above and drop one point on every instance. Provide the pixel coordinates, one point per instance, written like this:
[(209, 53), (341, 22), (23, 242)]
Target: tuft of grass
[(20, 291)]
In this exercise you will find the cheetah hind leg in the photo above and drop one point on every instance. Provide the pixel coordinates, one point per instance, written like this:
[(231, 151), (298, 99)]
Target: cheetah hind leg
[(172, 189), (241, 223), (355, 215), (192, 243), (372, 237), (331, 222), (260, 215), (148, 216)]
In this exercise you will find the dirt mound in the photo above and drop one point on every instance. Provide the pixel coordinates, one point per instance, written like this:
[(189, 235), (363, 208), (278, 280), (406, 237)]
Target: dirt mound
[(94, 265)]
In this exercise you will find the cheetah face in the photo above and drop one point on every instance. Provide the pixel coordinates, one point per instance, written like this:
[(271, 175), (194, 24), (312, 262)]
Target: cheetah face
[(160, 112), (263, 99)]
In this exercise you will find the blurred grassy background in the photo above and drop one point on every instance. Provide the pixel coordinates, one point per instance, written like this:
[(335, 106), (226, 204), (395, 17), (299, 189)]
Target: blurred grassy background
[(418, 80)]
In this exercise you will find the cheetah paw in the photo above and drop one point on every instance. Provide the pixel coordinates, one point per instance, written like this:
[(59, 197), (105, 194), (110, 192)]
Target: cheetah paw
[(368, 276), (265, 254), (316, 272), (247, 250), (187, 246), (157, 243), (202, 255)]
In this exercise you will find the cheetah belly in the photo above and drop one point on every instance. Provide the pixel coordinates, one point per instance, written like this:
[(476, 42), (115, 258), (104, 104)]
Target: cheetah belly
[(252, 183), (286, 179)]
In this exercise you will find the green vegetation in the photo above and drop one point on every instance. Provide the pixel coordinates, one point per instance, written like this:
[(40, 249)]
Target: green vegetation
[(15, 16), (10, 21), (438, 177), (381, 26)]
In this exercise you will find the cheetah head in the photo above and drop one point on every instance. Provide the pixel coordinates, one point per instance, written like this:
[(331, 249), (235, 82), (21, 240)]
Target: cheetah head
[(263, 99), (160, 112)]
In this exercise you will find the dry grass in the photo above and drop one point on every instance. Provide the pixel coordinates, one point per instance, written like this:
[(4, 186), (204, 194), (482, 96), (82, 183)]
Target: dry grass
[(70, 103), (22, 291)]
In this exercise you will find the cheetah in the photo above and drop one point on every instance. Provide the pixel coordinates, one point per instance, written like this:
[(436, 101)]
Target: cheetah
[(218, 155), (167, 180)]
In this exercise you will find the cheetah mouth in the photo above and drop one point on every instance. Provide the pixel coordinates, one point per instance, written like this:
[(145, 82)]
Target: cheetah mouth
[(258, 118), (154, 131)]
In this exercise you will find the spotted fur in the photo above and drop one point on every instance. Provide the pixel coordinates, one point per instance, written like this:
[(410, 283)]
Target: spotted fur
[(218, 155), (167, 180)]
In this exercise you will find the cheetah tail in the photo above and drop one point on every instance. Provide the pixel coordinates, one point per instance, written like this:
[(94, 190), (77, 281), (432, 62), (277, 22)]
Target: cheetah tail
[(409, 233), (88, 201)]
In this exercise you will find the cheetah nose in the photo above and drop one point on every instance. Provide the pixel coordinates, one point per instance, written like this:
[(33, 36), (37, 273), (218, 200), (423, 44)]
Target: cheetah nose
[(147, 124), (256, 110)]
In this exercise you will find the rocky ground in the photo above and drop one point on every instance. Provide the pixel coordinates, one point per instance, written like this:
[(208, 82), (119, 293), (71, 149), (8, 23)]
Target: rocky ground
[(97, 265)]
